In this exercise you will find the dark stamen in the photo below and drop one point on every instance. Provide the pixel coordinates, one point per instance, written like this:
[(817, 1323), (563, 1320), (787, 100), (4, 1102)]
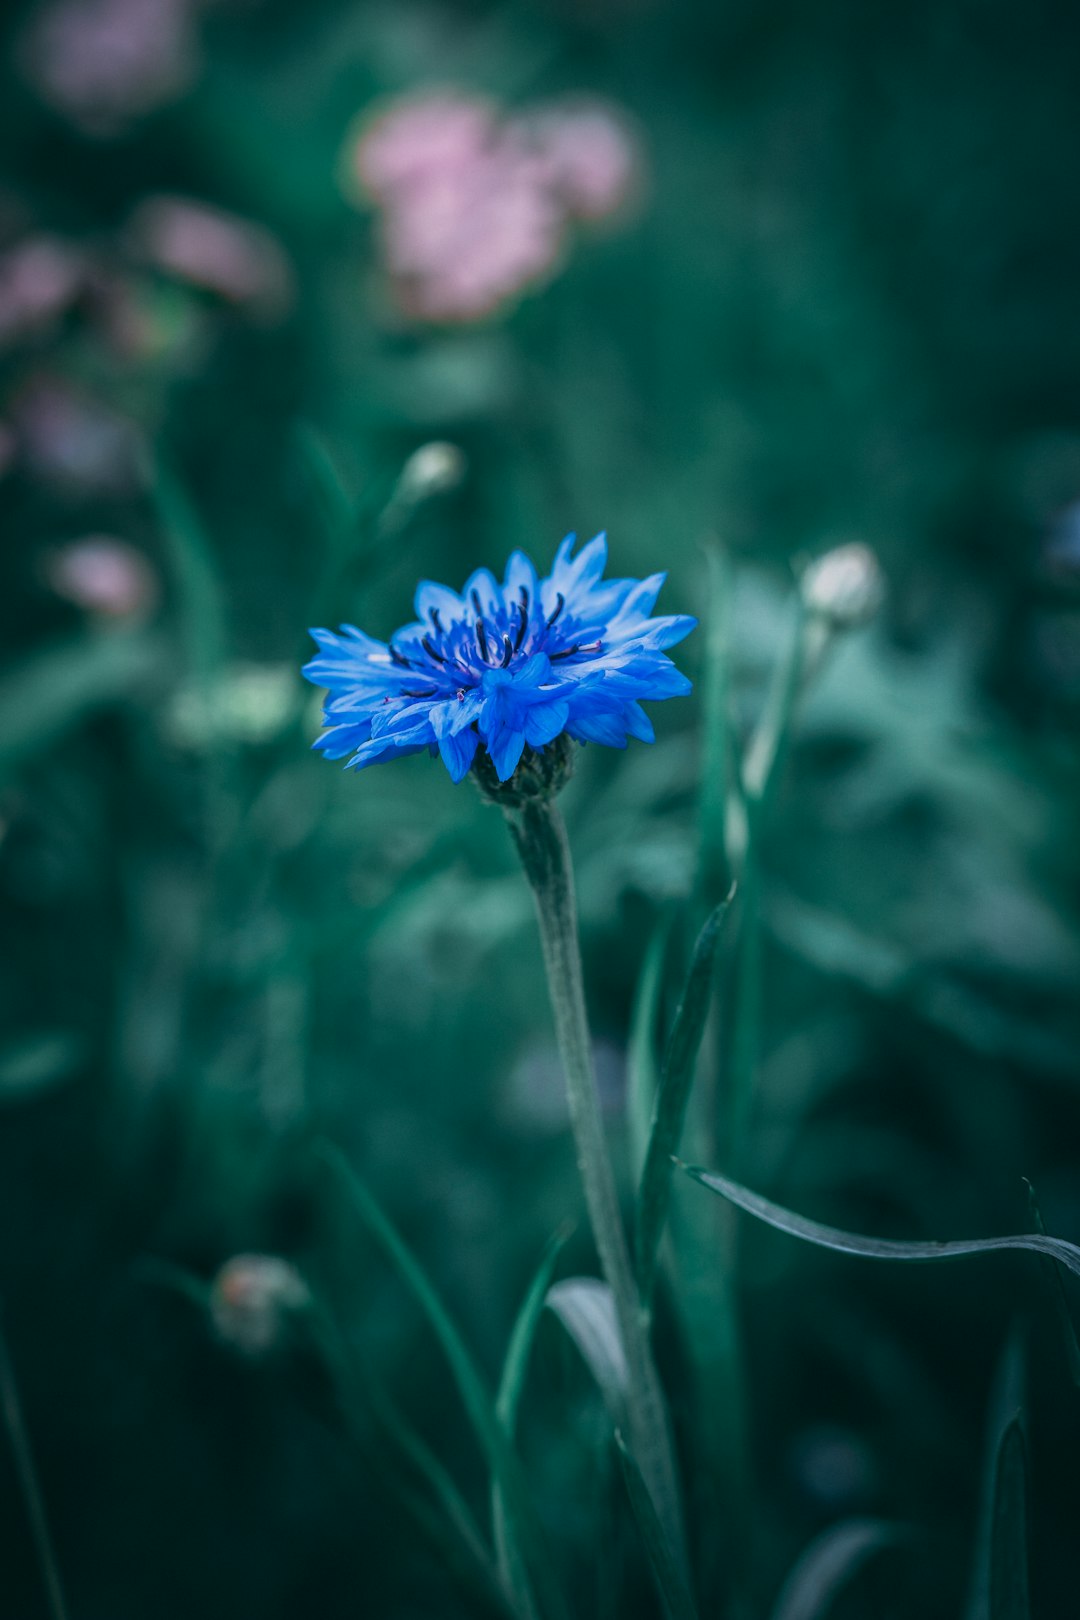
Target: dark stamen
[(560, 603), (427, 692), (523, 592), (430, 650), (433, 614), (522, 627), (481, 636), (508, 651), (475, 595), (399, 658), (567, 652)]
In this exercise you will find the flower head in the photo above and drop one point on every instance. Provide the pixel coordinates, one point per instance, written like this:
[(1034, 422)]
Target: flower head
[(503, 666)]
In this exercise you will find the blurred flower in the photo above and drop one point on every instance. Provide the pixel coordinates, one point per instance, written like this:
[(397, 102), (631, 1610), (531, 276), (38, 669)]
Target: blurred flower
[(104, 62), (593, 157), (105, 576), (845, 586), (434, 469), (506, 665), (475, 205), (214, 250), (74, 440), (39, 279), (252, 1299)]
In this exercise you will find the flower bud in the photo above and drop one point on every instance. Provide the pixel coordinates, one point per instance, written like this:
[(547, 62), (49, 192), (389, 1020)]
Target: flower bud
[(434, 469), (252, 1300), (845, 586)]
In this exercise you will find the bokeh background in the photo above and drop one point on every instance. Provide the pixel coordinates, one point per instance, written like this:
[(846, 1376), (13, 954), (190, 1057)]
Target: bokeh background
[(829, 293)]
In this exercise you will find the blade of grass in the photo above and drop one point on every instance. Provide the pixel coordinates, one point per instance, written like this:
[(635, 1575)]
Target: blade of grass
[(999, 1588), (511, 1386), (29, 1483), (586, 1308), (479, 1406), (673, 1095), (830, 1562), (195, 572), (714, 867), (870, 1248), (1056, 1281), (336, 505), (643, 1068), (671, 1586)]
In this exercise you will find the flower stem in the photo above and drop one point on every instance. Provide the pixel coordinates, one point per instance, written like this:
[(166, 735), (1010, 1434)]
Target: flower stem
[(540, 835)]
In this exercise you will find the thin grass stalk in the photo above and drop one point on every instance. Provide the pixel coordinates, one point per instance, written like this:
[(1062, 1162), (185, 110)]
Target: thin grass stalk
[(29, 1484), (540, 835)]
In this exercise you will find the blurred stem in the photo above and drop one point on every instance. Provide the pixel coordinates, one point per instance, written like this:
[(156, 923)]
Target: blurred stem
[(29, 1483), (540, 835), (714, 870)]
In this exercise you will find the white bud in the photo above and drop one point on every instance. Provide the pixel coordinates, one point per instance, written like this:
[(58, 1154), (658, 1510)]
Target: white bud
[(434, 469), (252, 1298), (844, 586)]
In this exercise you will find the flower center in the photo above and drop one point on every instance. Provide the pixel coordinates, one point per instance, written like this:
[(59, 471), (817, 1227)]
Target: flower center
[(459, 654)]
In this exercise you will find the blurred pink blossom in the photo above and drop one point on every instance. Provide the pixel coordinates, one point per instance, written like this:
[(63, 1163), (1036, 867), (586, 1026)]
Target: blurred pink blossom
[(104, 62), (214, 250), (594, 156), (474, 206), (105, 576), (39, 278)]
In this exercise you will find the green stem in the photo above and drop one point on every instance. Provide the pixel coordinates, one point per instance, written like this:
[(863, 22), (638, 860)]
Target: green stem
[(540, 835), (28, 1481)]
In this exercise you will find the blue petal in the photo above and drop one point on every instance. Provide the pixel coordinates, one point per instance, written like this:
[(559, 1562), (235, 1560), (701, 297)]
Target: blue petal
[(544, 721), (505, 750), (458, 752)]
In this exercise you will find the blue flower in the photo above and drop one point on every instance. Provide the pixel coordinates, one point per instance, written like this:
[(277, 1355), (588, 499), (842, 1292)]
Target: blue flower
[(504, 665)]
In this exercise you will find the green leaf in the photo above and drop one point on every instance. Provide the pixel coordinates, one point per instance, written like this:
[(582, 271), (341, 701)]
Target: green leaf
[(522, 1518), (1000, 1581), (713, 863), (670, 1583), (642, 1065), (1052, 1270), (51, 691), (830, 1237), (336, 505), (195, 572), (673, 1095), (586, 1308), (511, 1385), (830, 1561)]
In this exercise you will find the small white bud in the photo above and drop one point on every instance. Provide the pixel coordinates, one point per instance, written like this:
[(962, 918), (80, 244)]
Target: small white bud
[(844, 586), (434, 469), (252, 1298)]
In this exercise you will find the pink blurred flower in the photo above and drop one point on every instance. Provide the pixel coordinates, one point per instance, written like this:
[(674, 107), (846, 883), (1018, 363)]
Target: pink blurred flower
[(594, 156), (74, 440), (419, 138), (39, 279), (474, 206), (105, 576), (214, 250), (104, 62)]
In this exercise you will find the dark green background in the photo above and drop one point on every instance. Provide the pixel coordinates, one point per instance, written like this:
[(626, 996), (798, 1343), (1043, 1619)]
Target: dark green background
[(848, 309)]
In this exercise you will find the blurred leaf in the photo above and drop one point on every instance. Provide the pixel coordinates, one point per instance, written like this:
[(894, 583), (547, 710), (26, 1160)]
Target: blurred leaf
[(643, 1077), (1052, 1271), (37, 1063), (669, 1108), (50, 691), (1000, 1582), (586, 1308), (670, 1582), (196, 574), (832, 1560), (830, 1237), (511, 1386), (336, 505), (521, 1514), (717, 752)]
